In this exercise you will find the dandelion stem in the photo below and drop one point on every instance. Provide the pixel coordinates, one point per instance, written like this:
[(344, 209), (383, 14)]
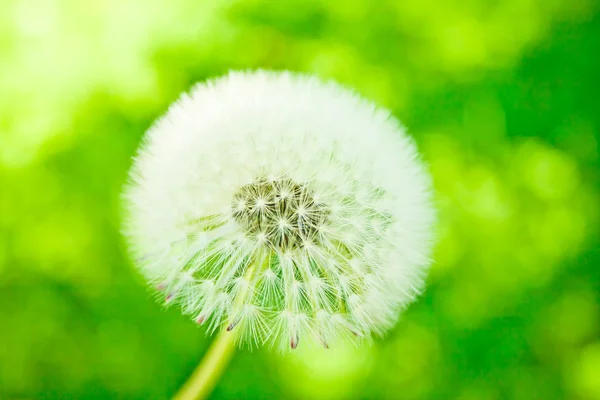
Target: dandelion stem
[(204, 378)]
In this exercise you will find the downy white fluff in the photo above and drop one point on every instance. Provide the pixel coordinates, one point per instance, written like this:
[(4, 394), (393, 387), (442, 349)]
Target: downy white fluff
[(281, 208)]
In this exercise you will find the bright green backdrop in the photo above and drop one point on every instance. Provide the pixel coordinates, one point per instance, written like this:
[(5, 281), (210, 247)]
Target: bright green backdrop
[(502, 97)]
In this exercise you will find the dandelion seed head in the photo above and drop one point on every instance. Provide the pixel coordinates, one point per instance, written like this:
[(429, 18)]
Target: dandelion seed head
[(282, 209)]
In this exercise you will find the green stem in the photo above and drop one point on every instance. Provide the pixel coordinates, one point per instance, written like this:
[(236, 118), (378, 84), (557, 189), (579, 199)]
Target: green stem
[(204, 378)]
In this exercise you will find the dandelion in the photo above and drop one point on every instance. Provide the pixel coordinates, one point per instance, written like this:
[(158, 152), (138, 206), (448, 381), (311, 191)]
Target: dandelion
[(278, 209)]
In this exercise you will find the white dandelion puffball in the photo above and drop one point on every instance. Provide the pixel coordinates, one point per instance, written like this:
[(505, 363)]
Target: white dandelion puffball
[(281, 208)]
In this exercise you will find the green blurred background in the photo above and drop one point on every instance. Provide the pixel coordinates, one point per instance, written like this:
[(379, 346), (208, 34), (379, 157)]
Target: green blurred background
[(501, 96)]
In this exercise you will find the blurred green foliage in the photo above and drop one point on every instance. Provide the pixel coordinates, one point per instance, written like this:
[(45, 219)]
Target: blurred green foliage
[(502, 98)]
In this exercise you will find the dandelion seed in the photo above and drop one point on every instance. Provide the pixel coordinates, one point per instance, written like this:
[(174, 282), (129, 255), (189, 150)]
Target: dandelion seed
[(280, 207), (323, 341)]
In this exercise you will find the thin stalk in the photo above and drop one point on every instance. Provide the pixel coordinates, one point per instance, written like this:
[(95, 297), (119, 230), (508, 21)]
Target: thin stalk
[(204, 378)]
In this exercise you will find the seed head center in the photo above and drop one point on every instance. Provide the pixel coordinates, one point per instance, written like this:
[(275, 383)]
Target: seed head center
[(280, 212)]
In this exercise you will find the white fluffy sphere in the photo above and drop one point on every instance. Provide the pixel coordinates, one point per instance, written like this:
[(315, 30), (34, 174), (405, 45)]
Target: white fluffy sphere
[(279, 207)]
